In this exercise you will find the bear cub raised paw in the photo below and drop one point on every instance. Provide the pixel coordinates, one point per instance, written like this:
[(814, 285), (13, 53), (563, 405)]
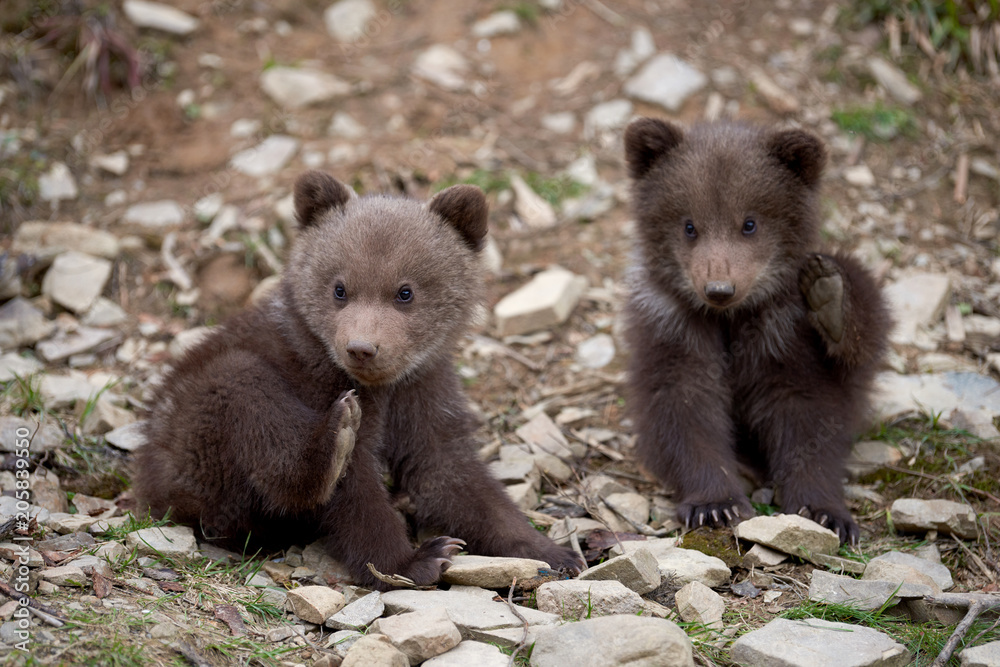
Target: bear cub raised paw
[(281, 425), (749, 348)]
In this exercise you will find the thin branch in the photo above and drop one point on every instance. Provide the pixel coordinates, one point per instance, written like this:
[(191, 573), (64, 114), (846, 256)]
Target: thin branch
[(977, 603), (524, 637)]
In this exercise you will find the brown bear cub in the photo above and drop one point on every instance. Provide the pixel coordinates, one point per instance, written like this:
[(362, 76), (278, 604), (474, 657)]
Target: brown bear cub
[(280, 426), (749, 349)]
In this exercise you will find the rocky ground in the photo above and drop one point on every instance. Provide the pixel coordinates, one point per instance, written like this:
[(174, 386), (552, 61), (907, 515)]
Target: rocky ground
[(133, 220)]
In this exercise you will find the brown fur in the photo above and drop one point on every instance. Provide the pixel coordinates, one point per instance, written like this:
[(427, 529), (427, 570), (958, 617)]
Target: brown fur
[(280, 425), (747, 346)]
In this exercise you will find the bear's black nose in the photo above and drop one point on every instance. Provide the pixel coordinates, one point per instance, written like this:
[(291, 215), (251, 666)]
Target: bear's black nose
[(718, 291), (361, 350)]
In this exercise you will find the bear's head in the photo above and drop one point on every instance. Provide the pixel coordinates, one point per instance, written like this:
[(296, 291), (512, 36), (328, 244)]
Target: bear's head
[(386, 283), (724, 212)]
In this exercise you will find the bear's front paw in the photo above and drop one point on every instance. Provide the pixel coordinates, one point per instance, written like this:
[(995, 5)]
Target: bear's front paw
[(726, 513), (837, 519), (346, 422), (823, 286), (431, 559)]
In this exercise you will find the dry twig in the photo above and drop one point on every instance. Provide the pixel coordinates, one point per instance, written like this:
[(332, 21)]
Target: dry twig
[(977, 603), (521, 645)]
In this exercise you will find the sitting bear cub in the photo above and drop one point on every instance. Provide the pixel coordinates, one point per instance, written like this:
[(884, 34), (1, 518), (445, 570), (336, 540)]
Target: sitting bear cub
[(748, 347), (280, 425)]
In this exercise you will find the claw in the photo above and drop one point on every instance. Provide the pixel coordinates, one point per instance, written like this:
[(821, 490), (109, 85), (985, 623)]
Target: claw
[(736, 512), (728, 515), (837, 532), (823, 520), (701, 519), (687, 522), (803, 511), (715, 516)]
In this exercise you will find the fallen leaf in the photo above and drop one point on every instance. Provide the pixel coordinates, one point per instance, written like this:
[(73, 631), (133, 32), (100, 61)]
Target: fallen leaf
[(170, 587), (231, 617), (102, 587)]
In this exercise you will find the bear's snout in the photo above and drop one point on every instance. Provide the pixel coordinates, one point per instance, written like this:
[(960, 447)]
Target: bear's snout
[(719, 292), (361, 350)]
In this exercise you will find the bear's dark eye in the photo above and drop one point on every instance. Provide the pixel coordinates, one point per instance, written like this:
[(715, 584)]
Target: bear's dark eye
[(749, 226), (340, 291), (405, 294), (689, 230)]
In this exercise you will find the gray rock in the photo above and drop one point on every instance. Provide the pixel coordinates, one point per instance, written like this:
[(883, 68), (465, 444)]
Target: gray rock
[(561, 122), (48, 239), (607, 116), (870, 455), (158, 16), (894, 81), (475, 616), (697, 603), (343, 125), (443, 66), (469, 653), (340, 642), (532, 209), (114, 163), (944, 516), (129, 437), (64, 523), (789, 533), (155, 215), (65, 345), (66, 575), (166, 541), (63, 391), (658, 546), (840, 589), (89, 564), (491, 571), (104, 313), (641, 48), (917, 300), (268, 157), (104, 526), (10, 279), (596, 352), (13, 551), (838, 564), (859, 175), (761, 556), (374, 651), (665, 80), (420, 635), (504, 22), (542, 435), (937, 572), (985, 655), (105, 417), (687, 565), (974, 397), (577, 600), (22, 324), (315, 604), (299, 87), (57, 183), (358, 614), (547, 300), (808, 643), (14, 365), (346, 20), (636, 641), (638, 571)]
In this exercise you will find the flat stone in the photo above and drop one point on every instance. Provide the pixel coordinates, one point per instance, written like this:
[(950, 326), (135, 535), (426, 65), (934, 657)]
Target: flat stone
[(937, 572), (840, 589), (636, 641), (342, 125), (14, 551), (897, 574), (299, 87), (638, 571), (95, 507), (545, 301), (165, 540), (894, 81), (984, 655), (944, 516), (491, 571), (346, 20), (114, 163), (941, 362), (634, 507), (837, 564), (504, 22), (45, 240), (65, 345), (658, 546), (533, 210), (576, 600), (443, 66), (542, 435), (65, 523), (90, 564), (607, 116), (155, 216), (777, 98), (420, 635), (63, 391), (808, 643), (971, 398), (468, 654), (374, 651), (57, 183), (358, 614), (474, 615), (561, 122), (870, 455), (268, 157), (789, 533), (105, 417), (66, 575), (761, 556), (41, 436), (582, 526), (315, 604), (596, 352), (158, 16), (104, 313), (917, 299), (512, 472), (697, 603), (665, 80), (129, 437), (105, 526), (687, 565), (14, 365), (22, 324)]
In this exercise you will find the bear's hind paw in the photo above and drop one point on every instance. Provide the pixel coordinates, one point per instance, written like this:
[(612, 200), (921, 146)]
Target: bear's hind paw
[(839, 521)]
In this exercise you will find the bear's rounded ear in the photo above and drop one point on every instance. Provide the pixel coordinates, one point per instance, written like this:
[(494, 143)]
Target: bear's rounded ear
[(801, 152), (463, 207), (316, 193), (647, 140)]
